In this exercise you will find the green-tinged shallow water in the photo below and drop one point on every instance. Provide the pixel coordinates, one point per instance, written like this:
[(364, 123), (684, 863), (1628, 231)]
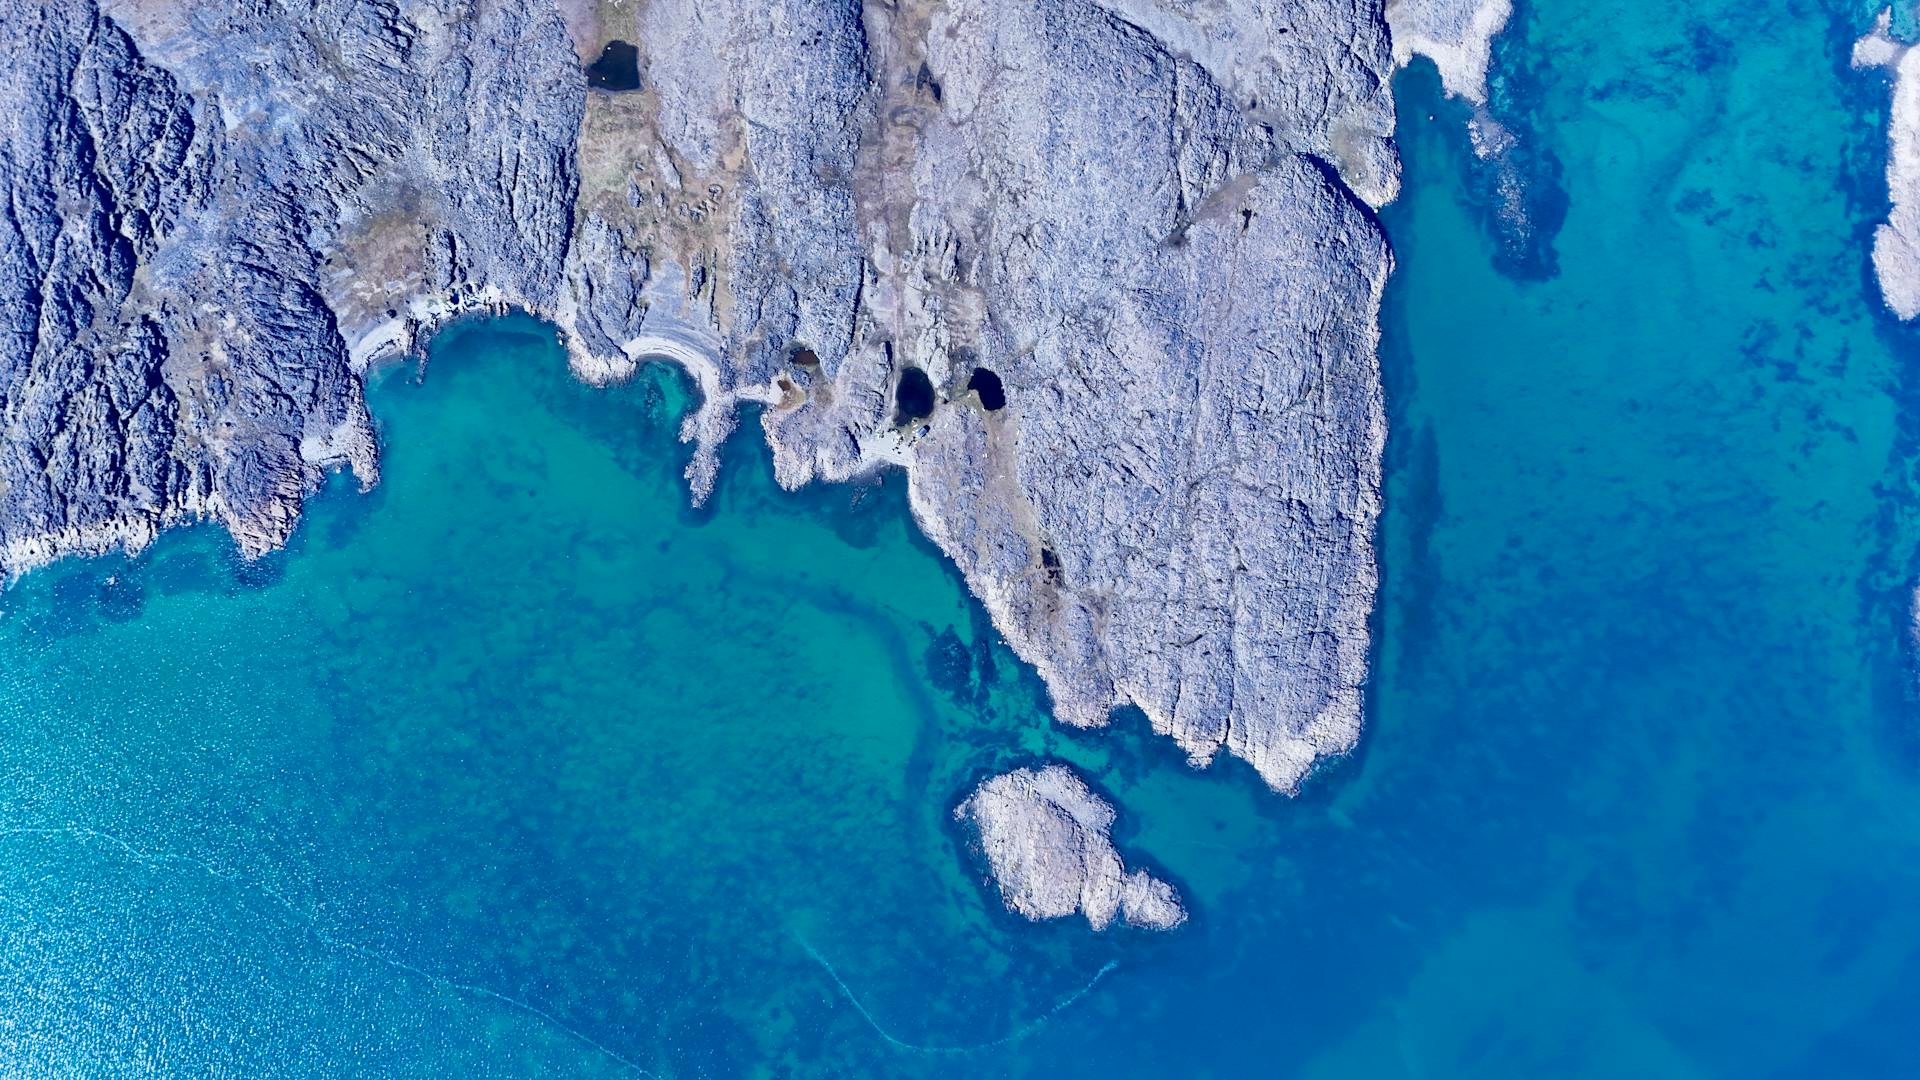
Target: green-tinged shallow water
[(517, 767)]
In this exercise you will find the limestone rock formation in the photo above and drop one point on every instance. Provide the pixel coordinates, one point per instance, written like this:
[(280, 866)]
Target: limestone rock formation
[(1457, 35), (1896, 242), (1046, 838), (204, 199), (1145, 224)]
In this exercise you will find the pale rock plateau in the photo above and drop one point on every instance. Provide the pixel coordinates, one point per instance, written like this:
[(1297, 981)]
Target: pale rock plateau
[(1047, 839)]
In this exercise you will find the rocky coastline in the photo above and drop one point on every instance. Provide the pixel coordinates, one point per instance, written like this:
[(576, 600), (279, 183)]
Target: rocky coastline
[(1896, 242), (1147, 231)]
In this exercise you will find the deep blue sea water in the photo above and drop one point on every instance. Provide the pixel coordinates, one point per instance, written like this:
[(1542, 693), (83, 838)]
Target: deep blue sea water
[(515, 766)]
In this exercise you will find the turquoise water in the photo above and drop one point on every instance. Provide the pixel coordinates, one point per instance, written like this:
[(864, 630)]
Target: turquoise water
[(515, 766)]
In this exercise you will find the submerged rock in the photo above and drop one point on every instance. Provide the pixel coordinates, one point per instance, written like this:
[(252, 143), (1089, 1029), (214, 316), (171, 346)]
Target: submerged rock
[(1514, 177), (1046, 838), (1151, 224)]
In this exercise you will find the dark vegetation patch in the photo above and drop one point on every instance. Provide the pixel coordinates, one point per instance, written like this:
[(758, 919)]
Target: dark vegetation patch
[(923, 80), (993, 394), (1050, 562)]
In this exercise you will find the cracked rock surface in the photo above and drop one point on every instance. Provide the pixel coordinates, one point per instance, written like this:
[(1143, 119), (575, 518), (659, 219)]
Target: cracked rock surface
[(1046, 838), (1146, 222)]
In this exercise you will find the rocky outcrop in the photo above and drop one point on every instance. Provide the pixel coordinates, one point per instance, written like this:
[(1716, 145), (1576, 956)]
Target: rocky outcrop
[(1147, 224), (1457, 35), (1896, 242), (1046, 838)]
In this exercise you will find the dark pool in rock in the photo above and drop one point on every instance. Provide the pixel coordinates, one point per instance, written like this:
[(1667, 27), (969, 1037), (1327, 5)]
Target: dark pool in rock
[(993, 395), (617, 69), (913, 398)]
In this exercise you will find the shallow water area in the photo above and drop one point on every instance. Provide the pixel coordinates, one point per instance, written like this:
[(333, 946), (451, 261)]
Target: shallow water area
[(518, 750), (517, 766)]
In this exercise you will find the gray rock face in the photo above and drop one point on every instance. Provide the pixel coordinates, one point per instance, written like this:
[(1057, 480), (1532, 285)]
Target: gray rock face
[(199, 215), (1046, 839), (1147, 218)]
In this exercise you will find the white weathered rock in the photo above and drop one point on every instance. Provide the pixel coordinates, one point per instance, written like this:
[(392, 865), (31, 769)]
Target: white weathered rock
[(1047, 840), (1457, 35), (1896, 243)]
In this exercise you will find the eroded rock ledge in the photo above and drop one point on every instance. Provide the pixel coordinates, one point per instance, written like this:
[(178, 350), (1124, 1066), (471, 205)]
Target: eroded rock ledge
[(1147, 224), (1047, 841), (1896, 242), (1457, 35)]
